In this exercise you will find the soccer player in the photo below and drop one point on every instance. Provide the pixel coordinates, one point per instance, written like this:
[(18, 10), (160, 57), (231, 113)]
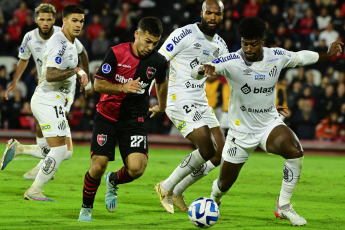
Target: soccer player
[(123, 80), (252, 73), (58, 79), (33, 44), (187, 105)]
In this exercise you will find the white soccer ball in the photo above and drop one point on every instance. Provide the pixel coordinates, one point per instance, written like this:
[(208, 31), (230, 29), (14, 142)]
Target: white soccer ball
[(203, 212)]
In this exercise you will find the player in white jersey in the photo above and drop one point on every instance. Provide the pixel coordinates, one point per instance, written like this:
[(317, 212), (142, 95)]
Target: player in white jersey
[(33, 44), (187, 105), (59, 73), (252, 74)]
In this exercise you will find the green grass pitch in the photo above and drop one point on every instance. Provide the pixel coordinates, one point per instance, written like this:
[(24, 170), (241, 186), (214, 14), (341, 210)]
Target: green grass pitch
[(250, 203)]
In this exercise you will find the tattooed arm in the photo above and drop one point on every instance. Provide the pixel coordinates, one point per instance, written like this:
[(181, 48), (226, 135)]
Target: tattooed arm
[(55, 74)]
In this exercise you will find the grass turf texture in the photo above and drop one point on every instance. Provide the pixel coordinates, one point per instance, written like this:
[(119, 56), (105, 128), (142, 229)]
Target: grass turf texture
[(319, 196)]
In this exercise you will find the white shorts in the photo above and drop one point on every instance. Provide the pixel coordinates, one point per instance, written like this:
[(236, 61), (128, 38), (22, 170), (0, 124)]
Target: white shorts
[(238, 146), (188, 116), (49, 110), (70, 100)]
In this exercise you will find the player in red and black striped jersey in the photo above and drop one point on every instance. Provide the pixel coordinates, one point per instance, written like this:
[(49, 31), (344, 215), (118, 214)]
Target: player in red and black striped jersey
[(124, 80)]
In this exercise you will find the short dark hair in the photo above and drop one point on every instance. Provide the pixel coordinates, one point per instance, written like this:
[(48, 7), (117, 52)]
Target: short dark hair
[(72, 9), (252, 27), (152, 25)]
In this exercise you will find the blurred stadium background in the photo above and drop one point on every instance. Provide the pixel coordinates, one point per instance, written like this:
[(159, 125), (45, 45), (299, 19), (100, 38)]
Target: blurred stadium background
[(315, 94)]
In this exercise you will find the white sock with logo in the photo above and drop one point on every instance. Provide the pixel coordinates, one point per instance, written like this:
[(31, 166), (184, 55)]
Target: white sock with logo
[(188, 165), (291, 174), (49, 168), (196, 175), (216, 194)]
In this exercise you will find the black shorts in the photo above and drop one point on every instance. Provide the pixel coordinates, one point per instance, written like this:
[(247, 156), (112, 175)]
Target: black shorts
[(105, 134)]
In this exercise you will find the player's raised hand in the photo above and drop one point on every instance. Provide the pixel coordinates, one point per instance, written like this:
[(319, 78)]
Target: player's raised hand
[(11, 89), (335, 47), (132, 86), (207, 70)]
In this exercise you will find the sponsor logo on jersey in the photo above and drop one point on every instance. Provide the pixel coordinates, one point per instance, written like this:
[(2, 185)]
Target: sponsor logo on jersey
[(247, 71), (45, 127), (252, 110), (197, 46), (246, 89), (194, 86), (216, 53), (260, 77), (206, 52), (194, 63), (181, 126), (38, 49), (273, 72), (122, 79), (124, 65), (58, 60), (226, 58), (169, 47), (106, 68), (272, 60), (184, 33), (63, 48), (101, 139), (150, 72), (143, 86), (281, 52)]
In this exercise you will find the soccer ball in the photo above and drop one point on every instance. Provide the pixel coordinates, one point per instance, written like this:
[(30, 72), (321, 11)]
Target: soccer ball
[(203, 212)]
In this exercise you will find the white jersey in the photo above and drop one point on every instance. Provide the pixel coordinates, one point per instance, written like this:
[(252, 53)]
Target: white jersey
[(186, 48), (252, 87), (62, 54), (33, 44)]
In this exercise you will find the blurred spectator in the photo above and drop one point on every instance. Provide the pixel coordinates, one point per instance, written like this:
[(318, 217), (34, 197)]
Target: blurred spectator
[(323, 19), (341, 117), (327, 129), (304, 119), (251, 9), (307, 30), (21, 13), (15, 105), (124, 22), (3, 79), (228, 33), (341, 135), (293, 94), (289, 45), (329, 35), (326, 103), (237, 8), (338, 21), (100, 45), (310, 83), (26, 118), (8, 7), (274, 17), (29, 25), (14, 30), (106, 19), (94, 28), (340, 95), (301, 7), (290, 21), (306, 94)]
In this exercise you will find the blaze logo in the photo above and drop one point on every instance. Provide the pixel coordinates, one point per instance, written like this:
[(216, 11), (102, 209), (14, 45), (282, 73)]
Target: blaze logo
[(101, 139), (246, 89), (45, 127), (150, 72)]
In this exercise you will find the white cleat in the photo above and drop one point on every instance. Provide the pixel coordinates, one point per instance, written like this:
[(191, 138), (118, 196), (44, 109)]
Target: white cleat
[(165, 197), (288, 213)]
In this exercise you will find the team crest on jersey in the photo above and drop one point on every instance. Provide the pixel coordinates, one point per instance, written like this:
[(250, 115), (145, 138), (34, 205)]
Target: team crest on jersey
[(101, 139), (150, 72)]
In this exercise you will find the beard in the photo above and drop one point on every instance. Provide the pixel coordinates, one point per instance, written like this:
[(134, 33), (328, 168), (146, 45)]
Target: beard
[(207, 30), (45, 33)]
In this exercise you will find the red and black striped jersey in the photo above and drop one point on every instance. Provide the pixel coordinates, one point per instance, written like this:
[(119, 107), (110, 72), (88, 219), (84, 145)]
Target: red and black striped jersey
[(121, 65)]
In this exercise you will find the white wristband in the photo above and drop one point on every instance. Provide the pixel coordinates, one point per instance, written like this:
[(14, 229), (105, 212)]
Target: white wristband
[(81, 73), (88, 86)]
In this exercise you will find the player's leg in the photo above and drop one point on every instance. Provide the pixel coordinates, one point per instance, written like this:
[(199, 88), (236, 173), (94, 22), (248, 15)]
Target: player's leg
[(282, 141), (102, 150), (197, 174)]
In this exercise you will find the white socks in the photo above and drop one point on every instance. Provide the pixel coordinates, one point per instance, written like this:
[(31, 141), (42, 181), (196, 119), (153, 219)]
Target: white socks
[(291, 175), (216, 194), (196, 175), (188, 165), (51, 164), (39, 151)]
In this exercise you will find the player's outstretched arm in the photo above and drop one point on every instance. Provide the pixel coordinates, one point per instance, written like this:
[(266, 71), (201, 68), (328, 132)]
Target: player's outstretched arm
[(333, 50), (162, 92), (21, 66)]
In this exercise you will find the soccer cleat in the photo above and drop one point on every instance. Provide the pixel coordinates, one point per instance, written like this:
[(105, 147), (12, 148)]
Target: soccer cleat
[(287, 212), (31, 175), (166, 197), (111, 194), (38, 196), (9, 153), (85, 215), (180, 203)]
